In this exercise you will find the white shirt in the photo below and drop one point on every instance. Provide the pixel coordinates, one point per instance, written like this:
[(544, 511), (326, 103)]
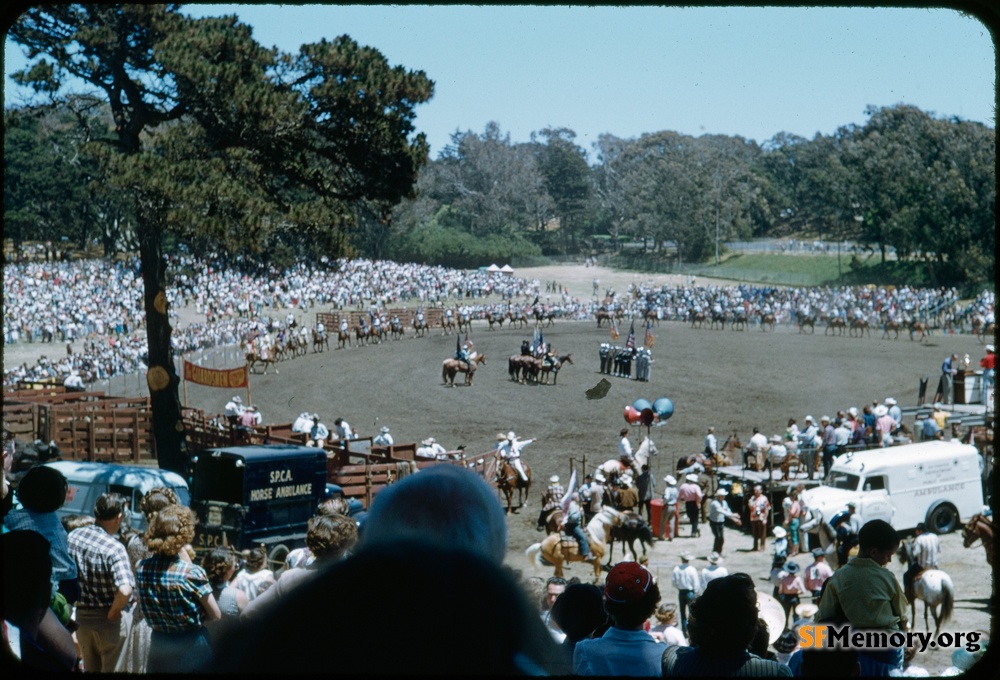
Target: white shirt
[(711, 443), (927, 550), (685, 577), (383, 440), (234, 409), (625, 448), (344, 430), (758, 442), (302, 424), (710, 572)]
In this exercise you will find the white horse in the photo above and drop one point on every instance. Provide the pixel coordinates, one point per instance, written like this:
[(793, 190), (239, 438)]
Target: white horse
[(935, 588)]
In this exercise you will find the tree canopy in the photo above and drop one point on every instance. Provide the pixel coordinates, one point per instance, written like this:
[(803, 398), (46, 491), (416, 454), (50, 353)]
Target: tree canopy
[(219, 140)]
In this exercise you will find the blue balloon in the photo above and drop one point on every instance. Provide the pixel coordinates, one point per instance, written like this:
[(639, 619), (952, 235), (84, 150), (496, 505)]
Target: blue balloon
[(640, 404), (663, 407)]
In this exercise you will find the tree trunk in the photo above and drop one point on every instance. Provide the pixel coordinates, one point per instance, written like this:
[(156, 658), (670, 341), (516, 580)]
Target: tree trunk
[(161, 378)]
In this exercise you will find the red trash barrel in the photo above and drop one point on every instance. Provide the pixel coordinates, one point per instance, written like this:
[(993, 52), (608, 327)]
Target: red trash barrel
[(656, 514)]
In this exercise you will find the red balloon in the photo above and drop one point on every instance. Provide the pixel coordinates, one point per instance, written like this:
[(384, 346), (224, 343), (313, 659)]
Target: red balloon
[(632, 416)]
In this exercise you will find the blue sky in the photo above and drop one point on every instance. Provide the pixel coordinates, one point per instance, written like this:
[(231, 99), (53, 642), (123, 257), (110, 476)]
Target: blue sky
[(752, 72)]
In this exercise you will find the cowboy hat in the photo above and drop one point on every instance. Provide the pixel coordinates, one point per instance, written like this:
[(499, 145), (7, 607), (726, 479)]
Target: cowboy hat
[(824, 419), (237, 399), (810, 419), (773, 614), (428, 441), (721, 492), (691, 478), (853, 411), (554, 479), (818, 552), (780, 532), (881, 410), (890, 401), (599, 476), (669, 479), (715, 558), (989, 348), (511, 435), (775, 439), (383, 429), (686, 556), (806, 610), (501, 436)]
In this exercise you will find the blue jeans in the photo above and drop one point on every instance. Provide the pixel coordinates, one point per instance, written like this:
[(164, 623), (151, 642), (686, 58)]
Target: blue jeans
[(581, 538), (684, 598), (989, 375), (828, 452)]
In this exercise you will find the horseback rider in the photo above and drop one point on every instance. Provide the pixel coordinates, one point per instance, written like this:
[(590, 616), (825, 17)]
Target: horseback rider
[(550, 355), (922, 552), (343, 325), (420, 315), (510, 451), (320, 330), (463, 353), (572, 524), (551, 499), (525, 348)]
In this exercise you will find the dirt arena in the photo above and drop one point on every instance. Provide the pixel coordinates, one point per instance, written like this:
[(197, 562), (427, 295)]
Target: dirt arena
[(732, 380)]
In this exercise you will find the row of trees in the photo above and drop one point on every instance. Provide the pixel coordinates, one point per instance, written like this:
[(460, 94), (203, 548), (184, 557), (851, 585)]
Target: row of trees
[(905, 180)]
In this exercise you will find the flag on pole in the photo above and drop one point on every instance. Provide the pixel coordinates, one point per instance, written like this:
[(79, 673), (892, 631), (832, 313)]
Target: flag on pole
[(648, 342), (630, 340), (614, 329), (564, 503), (458, 346)]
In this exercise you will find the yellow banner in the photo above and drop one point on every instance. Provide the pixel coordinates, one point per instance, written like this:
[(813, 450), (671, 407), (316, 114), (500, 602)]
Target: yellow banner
[(229, 377)]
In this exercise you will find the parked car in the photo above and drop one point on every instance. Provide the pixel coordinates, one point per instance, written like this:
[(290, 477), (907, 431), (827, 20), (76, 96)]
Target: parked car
[(87, 481)]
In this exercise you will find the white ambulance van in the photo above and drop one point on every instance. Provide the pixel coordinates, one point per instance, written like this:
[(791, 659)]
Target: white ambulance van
[(935, 482)]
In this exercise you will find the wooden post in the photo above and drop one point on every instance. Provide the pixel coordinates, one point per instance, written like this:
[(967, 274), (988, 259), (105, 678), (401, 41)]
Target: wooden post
[(135, 436), (249, 399), (184, 381), (114, 435), (91, 443)]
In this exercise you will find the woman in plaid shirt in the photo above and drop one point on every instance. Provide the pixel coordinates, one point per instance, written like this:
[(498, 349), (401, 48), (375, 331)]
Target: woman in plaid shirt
[(175, 595)]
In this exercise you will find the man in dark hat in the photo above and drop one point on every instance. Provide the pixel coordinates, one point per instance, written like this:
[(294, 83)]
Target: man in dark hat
[(791, 588)]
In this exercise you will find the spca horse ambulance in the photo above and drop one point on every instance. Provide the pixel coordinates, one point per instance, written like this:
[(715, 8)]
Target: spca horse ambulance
[(935, 482)]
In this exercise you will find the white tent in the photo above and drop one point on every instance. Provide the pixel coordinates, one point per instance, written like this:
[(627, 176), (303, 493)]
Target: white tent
[(507, 269), (493, 268)]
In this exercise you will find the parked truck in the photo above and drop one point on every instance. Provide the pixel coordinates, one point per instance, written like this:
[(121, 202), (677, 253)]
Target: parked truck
[(935, 482), (245, 496)]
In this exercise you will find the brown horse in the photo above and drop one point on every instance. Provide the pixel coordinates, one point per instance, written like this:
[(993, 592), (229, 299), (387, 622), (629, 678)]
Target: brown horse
[(396, 330), (447, 325), (697, 319), (728, 451), (517, 316), (420, 327), (493, 318), (767, 320), (859, 326), (509, 481), (919, 327), (360, 336), (266, 358), (835, 325), (320, 341), (521, 367), (343, 339), (979, 528), (451, 367), (465, 323), (602, 315), (891, 327), (557, 549), (553, 368)]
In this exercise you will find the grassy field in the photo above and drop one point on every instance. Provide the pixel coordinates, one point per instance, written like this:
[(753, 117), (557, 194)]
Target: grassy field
[(801, 270)]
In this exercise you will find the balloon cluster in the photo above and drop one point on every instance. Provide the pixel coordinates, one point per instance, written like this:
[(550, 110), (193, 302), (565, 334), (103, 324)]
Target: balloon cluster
[(646, 413)]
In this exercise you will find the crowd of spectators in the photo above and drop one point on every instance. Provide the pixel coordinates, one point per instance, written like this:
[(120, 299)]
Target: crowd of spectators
[(96, 309)]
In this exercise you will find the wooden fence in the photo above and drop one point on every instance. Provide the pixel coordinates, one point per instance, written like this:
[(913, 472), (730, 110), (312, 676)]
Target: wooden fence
[(331, 320)]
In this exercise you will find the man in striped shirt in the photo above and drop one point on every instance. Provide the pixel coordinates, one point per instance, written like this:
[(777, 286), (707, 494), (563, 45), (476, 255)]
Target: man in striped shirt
[(106, 585), (924, 551)]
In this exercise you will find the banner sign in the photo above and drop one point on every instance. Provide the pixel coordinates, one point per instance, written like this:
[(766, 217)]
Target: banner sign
[(228, 378)]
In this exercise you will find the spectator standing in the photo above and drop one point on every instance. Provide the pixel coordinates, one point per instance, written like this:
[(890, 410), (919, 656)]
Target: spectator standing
[(687, 582), (579, 612), (255, 577), (669, 519), (817, 573), (42, 491), (630, 597), (691, 495), (624, 446), (867, 595), (791, 588), (555, 586), (666, 630), (714, 570), (106, 586), (760, 510), (793, 518), (988, 364), (220, 565), (175, 595), (723, 625), (946, 386), (644, 487), (718, 512), (383, 438), (829, 441)]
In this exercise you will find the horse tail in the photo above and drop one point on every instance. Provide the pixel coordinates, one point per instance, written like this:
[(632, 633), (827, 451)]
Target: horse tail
[(947, 598), (534, 555)]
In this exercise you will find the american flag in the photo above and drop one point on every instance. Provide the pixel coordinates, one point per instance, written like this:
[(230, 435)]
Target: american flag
[(630, 340), (648, 342)]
